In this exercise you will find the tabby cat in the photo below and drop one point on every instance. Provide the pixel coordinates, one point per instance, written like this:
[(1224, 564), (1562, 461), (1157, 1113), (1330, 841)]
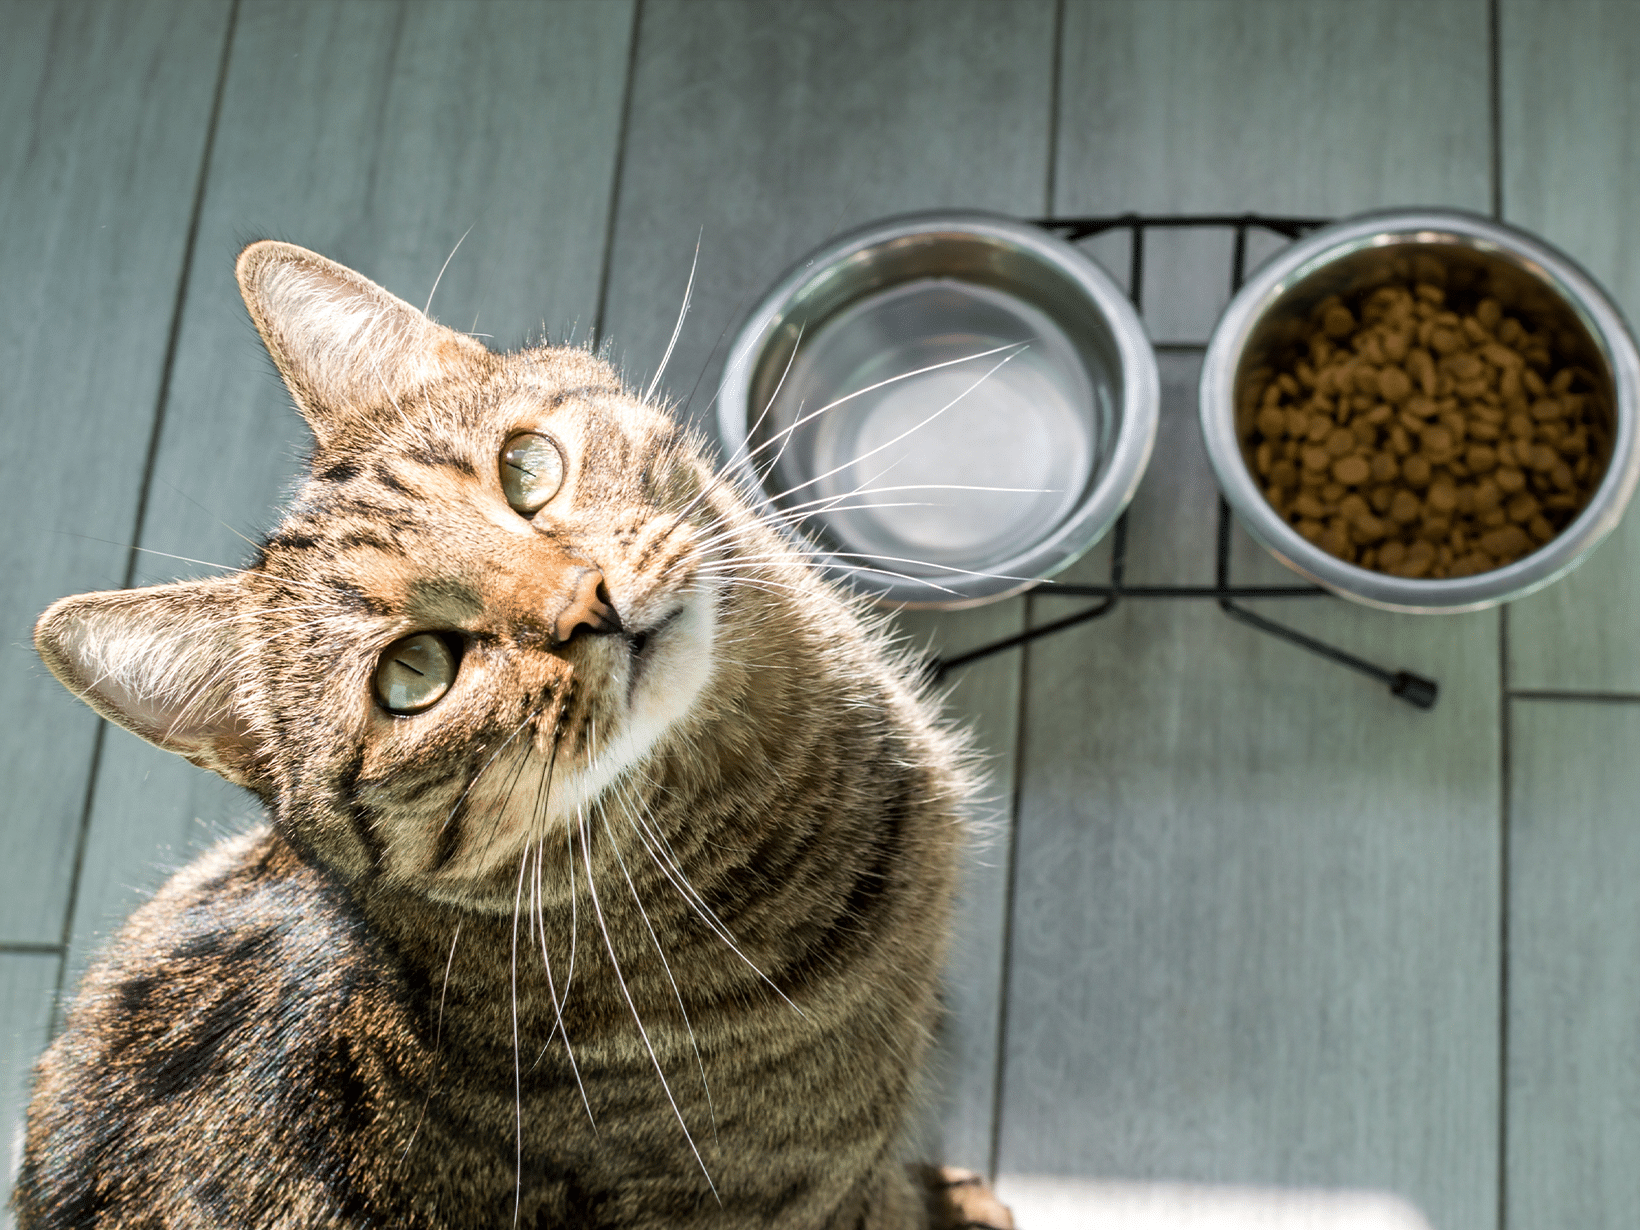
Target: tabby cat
[(609, 853)]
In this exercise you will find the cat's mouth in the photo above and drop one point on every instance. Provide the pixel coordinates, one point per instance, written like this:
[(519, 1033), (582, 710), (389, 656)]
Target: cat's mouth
[(640, 644)]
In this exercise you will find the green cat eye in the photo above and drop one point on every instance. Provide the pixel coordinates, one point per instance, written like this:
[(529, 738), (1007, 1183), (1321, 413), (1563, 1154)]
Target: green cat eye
[(414, 673), (532, 470)]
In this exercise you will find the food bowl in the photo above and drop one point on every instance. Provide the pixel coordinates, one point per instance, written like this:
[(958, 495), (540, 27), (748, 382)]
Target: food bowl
[(950, 406), (1468, 259)]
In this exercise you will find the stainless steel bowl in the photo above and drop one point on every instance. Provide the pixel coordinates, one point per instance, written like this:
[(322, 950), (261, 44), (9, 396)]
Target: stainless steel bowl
[(1473, 257), (952, 406)]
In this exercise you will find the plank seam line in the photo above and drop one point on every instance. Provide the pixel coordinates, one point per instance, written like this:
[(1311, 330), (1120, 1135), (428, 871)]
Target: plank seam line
[(156, 431), (1567, 695), (617, 176)]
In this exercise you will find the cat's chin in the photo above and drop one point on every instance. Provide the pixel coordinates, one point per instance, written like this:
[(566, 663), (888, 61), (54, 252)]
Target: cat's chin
[(669, 661)]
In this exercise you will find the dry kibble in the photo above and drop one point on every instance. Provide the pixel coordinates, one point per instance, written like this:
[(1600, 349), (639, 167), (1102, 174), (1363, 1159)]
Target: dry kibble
[(1522, 507), (1425, 439), (1351, 470), (1509, 542), (1438, 443), (1307, 505), (1394, 385), (1422, 369), (1404, 507)]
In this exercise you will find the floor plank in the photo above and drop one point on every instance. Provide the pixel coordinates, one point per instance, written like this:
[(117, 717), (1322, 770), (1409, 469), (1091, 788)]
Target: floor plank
[(1574, 947), (1257, 898), (983, 698), (1257, 910), (1571, 170), (1303, 107), (27, 982), (96, 188), (763, 129), (370, 133)]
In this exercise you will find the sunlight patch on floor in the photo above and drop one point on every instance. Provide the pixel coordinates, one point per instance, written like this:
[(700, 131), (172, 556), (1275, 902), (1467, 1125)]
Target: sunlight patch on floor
[(1049, 1202)]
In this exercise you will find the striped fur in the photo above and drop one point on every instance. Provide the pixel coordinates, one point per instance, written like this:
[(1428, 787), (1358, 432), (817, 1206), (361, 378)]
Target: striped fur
[(637, 928)]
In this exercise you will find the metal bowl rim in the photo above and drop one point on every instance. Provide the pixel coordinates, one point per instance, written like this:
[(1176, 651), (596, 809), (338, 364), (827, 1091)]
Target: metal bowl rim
[(1139, 411), (1384, 228)]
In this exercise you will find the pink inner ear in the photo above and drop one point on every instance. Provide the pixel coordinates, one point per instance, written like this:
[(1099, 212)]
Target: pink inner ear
[(340, 340), (160, 662)]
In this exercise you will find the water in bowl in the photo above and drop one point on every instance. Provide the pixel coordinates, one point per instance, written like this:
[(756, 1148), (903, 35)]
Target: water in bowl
[(960, 466)]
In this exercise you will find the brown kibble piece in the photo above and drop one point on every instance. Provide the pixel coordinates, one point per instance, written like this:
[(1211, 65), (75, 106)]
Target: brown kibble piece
[(1337, 322), (1316, 458), (1404, 507), (1438, 443), (1422, 369), (1510, 480), (1416, 470), (1417, 561), (1542, 458), (1394, 385), (1443, 496), (1351, 470), (1272, 422), (1341, 442), (1481, 458), (1523, 507), (1335, 540), (1510, 541), (1445, 341)]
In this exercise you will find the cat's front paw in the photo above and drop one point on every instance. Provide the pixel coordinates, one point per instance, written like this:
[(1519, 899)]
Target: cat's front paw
[(962, 1200)]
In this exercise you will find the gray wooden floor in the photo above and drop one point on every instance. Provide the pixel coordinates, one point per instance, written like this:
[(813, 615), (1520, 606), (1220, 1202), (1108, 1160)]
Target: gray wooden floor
[(1252, 943)]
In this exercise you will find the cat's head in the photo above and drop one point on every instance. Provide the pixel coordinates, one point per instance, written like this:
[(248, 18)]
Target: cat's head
[(500, 588)]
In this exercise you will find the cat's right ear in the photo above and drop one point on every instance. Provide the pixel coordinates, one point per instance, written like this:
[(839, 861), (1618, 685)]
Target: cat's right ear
[(341, 342), (164, 662)]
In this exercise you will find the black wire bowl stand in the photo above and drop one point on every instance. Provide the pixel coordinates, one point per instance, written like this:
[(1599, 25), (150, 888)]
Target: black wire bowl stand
[(1414, 689)]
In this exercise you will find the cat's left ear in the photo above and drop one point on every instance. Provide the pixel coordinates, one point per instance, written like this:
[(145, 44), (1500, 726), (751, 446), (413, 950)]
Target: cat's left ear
[(164, 662), (341, 342)]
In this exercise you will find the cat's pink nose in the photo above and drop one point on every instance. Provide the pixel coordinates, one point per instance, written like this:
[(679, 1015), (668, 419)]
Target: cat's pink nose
[(588, 607)]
